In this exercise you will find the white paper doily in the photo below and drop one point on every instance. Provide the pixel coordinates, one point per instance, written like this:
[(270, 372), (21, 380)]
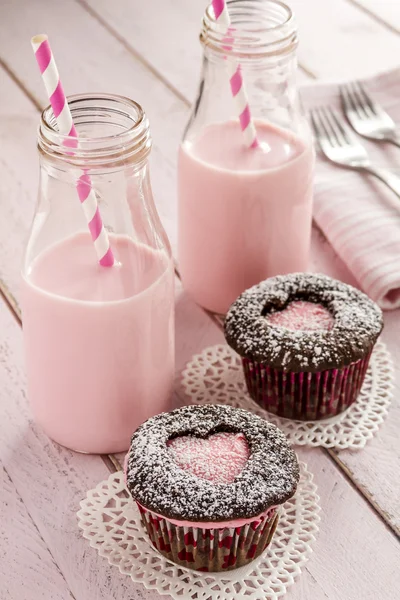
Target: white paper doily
[(216, 376), (110, 521)]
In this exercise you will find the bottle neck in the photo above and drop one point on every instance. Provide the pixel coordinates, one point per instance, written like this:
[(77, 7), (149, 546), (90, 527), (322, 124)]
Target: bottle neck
[(262, 40), (113, 132), (256, 32)]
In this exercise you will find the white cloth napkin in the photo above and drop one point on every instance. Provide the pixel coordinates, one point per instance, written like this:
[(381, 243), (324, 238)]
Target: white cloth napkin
[(358, 214)]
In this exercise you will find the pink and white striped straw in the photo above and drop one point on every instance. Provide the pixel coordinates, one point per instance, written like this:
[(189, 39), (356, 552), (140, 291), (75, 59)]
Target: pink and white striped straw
[(62, 113), (236, 80)]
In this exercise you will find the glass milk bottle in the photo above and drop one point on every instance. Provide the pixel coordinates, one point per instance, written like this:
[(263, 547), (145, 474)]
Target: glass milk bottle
[(99, 341), (244, 212)]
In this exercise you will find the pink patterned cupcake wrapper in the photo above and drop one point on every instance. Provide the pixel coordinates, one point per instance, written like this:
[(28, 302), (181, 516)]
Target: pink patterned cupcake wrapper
[(305, 396), (210, 549)]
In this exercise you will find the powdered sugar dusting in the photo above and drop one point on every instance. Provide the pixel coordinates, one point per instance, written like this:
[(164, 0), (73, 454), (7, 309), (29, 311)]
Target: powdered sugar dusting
[(268, 478), (357, 322), (301, 315), (218, 458)]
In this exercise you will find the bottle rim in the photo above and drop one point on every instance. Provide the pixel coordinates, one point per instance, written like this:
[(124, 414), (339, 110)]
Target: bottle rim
[(128, 140), (259, 29)]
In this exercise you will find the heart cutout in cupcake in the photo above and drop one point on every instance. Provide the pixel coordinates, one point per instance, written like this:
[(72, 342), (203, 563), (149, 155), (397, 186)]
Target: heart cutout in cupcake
[(219, 458)]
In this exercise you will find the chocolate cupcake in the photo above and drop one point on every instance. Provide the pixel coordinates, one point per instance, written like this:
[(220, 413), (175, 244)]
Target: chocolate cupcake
[(208, 481), (305, 341)]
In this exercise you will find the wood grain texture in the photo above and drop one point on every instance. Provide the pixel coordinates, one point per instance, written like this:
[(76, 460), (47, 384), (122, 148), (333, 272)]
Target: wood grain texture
[(27, 569), (174, 23), (18, 180), (346, 563), (385, 11), (376, 469), (336, 38), (332, 27), (324, 260), (169, 44)]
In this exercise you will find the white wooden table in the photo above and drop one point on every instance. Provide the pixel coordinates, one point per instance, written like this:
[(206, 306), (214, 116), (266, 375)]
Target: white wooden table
[(149, 50)]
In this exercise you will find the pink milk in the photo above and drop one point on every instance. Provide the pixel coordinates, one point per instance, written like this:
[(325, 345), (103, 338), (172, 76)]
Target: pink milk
[(99, 342), (244, 214)]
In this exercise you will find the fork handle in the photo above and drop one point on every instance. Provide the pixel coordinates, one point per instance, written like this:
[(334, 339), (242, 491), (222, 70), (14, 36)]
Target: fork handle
[(387, 177)]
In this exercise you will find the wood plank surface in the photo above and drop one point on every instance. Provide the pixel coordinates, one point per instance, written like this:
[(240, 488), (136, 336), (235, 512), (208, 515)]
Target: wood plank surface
[(178, 60), (338, 41), (18, 181), (335, 37), (174, 23), (125, 49), (30, 78), (386, 11), (376, 468), (27, 568), (48, 477)]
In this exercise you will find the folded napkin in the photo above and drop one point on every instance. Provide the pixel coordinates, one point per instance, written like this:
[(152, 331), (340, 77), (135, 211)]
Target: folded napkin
[(357, 213)]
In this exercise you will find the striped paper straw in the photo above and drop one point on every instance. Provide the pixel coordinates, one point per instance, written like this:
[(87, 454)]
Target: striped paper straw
[(62, 113), (236, 80)]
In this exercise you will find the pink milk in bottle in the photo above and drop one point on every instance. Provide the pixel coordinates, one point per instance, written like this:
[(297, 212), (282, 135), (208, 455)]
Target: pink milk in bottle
[(245, 209), (99, 341), (244, 215)]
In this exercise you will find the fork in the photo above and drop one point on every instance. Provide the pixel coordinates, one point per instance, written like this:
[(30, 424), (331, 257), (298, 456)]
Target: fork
[(340, 146), (366, 116)]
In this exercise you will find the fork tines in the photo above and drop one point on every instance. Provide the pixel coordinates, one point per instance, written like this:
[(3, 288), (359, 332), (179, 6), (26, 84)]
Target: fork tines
[(354, 97), (328, 125)]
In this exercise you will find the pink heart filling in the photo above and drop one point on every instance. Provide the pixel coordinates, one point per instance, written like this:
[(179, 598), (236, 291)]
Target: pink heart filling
[(219, 458), (301, 315)]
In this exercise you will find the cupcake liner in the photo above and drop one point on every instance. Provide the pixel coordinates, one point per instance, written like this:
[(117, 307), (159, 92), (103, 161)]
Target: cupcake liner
[(218, 549), (305, 396)]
